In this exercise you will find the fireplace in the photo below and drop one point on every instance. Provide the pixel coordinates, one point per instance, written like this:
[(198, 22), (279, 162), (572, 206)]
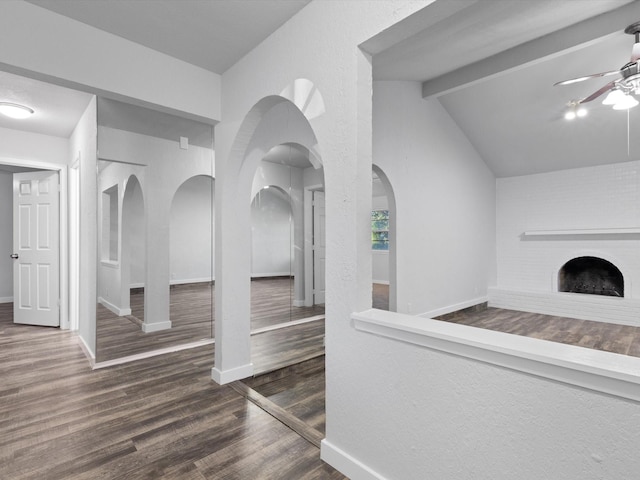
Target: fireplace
[(591, 275)]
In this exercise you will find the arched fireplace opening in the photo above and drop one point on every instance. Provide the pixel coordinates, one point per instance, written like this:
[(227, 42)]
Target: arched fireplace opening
[(591, 275)]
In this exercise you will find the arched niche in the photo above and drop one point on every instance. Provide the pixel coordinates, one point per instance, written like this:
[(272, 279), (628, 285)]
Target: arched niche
[(191, 247), (133, 248), (381, 181)]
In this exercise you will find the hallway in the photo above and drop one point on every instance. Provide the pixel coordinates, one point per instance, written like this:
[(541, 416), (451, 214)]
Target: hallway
[(161, 417)]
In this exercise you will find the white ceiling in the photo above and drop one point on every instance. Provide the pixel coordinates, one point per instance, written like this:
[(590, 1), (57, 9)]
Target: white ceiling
[(492, 68), (512, 117), (213, 34), (57, 109)]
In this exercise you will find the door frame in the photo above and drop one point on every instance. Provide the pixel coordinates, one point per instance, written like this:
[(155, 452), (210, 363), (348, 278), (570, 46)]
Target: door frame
[(63, 281), (308, 242)]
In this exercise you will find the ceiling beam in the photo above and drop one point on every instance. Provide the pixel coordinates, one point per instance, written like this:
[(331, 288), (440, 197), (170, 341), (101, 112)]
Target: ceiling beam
[(574, 37)]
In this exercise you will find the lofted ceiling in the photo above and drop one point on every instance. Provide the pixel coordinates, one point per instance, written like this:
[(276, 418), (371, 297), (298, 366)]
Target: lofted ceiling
[(492, 65), (212, 34)]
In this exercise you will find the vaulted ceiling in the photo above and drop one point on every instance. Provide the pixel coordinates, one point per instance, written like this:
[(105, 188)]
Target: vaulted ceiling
[(491, 63)]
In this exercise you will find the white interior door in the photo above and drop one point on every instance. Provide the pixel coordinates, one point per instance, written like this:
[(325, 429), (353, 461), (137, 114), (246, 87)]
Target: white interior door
[(36, 239), (319, 247)]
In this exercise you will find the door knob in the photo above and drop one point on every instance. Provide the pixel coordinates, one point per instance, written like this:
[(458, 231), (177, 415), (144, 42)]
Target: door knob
[(14, 256)]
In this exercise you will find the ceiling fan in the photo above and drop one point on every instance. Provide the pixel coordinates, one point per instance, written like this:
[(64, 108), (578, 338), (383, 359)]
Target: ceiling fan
[(622, 88)]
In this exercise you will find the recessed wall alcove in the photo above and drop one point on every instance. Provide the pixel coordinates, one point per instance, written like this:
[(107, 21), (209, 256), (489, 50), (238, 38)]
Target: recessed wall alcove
[(591, 275)]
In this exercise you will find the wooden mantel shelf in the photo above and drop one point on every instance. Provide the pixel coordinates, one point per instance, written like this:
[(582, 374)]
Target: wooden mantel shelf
[(588, 231)]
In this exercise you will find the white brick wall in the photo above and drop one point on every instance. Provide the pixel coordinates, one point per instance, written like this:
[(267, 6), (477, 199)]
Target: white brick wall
[(588, 198)]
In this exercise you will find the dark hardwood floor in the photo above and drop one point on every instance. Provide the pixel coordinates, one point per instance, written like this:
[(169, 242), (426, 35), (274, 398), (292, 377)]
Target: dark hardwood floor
[(192, 308), (157, 418), (609, 337)]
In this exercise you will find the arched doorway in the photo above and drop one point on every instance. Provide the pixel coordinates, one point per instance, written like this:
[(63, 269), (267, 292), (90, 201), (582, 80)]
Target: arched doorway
[(383, 242), (191, 247), (133, 262), (272, 122)]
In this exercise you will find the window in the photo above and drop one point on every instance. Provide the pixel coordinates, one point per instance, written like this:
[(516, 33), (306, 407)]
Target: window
[(380, 229)]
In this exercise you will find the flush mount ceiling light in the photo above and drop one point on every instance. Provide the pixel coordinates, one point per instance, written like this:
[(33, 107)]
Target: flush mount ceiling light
[(15, 110)]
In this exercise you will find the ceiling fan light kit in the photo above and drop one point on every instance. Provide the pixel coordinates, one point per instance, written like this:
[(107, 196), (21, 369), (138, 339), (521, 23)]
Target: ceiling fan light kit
[(620, 91)]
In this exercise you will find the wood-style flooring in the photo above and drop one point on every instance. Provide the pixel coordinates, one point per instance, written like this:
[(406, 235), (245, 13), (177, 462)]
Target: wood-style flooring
[(609, 337), (192, 310), (158, 418)]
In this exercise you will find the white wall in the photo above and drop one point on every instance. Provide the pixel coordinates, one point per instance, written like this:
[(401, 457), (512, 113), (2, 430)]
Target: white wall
[(192, 218), (592, 198), (271, 234), (445, 202), (52, 47), (83, 145), (18, 147), (425, 413), (6, 236), (166, 166), (603, 197)]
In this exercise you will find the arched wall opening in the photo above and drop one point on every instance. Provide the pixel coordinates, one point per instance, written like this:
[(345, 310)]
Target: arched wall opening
[(384, 260), (274, 121), (191, 256), (133, 249)]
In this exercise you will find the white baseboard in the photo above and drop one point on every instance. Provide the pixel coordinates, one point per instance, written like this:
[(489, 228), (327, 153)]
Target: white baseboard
[(114, 308), (275, 274), (345, 463), (222, 377), (453, 308), (298, 303), (156, 326), (153, 353), (6, 299), (88, 352), (381, 282), (598, 308), (182, 281)]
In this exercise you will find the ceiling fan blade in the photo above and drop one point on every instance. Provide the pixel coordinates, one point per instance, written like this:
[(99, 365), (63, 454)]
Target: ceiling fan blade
[(586, 77), (598, 92)]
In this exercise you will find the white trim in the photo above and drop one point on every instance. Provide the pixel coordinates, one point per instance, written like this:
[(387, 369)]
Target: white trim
[(114, 308), (454, 308), (178, 282), (184, 281), (86, 350), (379, 252), (156, 326), (274, 274), (222, 377), (618, 232), (345, 463), (6, 299), (381, 282), (153, 353), (292, 323), (596, 370)]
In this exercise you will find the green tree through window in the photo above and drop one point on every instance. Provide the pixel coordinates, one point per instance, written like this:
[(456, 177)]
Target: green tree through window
[(380, 229)]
